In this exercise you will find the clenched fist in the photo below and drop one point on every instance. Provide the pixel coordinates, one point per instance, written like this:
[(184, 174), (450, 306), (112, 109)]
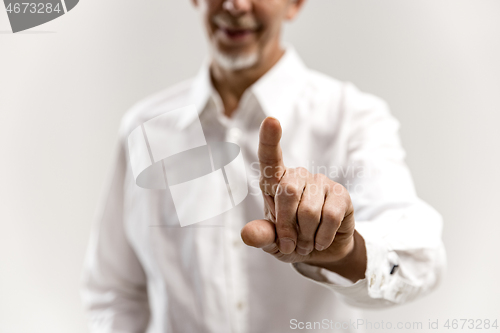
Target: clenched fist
[(308, 218)]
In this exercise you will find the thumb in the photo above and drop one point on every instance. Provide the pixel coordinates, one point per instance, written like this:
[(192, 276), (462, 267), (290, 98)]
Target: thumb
[(259, 233), (272, 167)]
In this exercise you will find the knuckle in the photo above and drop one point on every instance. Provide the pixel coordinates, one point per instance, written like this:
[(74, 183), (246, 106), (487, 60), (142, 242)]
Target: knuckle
[(332, 216), (291, 173), (302, 172), (313, 189), (338, 189), (291, 189), (319, 177), (308, 212), (299, 172)]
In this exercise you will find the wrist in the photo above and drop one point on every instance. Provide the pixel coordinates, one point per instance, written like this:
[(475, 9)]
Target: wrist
[(353, 265)]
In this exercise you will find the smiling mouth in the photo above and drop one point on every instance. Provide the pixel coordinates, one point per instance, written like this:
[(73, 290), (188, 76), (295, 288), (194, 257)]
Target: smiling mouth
[(236, 33)]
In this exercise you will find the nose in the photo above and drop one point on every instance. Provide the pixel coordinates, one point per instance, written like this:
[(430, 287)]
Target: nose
[(237, 7)]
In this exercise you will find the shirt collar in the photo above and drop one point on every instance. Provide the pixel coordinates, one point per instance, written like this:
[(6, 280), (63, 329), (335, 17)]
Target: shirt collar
[(276, 91)]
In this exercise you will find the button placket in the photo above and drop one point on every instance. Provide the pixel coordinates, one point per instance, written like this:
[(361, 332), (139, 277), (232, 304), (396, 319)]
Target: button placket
[(237, 276)]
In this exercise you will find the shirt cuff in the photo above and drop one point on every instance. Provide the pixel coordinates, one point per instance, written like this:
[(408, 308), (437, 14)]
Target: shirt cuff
[(381, 284)]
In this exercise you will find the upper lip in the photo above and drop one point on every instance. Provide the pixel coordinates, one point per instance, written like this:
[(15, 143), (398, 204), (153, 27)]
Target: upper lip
[(227, 25), (243, 24)]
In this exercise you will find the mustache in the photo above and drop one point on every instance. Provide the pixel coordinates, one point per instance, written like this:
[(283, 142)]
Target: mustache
[(243, 23)]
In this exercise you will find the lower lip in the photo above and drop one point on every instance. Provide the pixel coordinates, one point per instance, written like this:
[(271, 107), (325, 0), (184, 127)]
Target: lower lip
[(240, 36)]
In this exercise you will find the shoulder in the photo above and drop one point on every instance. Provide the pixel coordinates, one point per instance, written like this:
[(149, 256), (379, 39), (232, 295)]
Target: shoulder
[(352, 96), (345, 103)]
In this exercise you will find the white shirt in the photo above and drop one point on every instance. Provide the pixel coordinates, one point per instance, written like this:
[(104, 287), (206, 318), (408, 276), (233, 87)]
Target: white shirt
[(146, 273)]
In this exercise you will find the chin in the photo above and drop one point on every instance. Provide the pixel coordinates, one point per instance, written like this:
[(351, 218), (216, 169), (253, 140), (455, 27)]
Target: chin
[(234, 61)]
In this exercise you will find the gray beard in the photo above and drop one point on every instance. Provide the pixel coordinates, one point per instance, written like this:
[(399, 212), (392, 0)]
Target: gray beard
[(233, 62)]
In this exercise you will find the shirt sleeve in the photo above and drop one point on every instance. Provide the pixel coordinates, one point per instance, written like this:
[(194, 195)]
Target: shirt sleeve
[(114, 289), (402, 233)]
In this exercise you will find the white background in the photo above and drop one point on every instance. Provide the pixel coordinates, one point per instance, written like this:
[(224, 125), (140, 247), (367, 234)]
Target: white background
[(64, 86)]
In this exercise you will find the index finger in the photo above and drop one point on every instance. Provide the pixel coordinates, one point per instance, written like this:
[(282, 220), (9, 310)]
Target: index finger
[(272, 167)]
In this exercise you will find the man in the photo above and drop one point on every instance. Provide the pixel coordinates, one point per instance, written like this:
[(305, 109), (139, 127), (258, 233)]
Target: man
[(353, 235)]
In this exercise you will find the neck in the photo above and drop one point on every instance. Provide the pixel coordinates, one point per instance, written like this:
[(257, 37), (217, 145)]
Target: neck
[(231, 84)]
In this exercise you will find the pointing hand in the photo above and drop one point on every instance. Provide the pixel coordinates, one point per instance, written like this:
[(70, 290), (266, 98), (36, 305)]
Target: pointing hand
[(308, 218)]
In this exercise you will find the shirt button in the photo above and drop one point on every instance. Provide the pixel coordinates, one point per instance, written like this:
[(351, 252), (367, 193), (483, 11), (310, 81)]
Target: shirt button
[(234, 134), (236, 243), (240, 306)]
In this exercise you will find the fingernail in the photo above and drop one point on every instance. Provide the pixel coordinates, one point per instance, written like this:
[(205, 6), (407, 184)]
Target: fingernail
[(303, 251), (287, 245), (319, 247)]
